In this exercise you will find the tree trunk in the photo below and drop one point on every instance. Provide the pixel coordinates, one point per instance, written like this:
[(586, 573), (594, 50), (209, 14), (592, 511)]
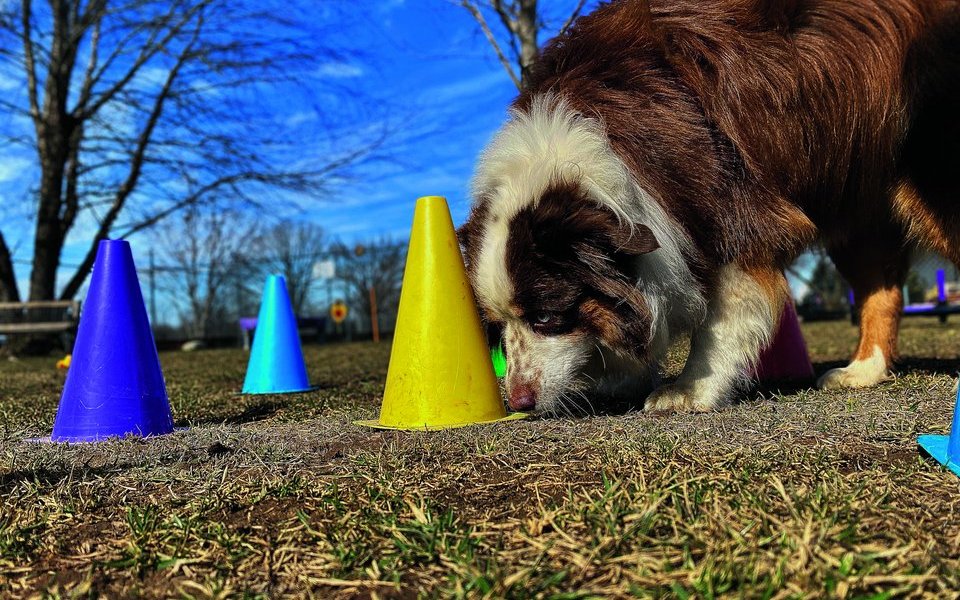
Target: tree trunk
[(8, 277), (54, 131), (527, 33), (48, 238), (48, 242)]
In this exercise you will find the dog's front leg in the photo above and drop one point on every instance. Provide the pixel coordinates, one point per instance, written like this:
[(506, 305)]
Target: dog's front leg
[(741, 315)]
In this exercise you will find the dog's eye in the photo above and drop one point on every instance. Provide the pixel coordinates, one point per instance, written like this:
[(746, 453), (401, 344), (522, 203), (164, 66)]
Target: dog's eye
[(546, 322)]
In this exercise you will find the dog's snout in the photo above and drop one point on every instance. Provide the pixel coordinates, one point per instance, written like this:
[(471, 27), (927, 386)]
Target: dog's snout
[(523, 397)]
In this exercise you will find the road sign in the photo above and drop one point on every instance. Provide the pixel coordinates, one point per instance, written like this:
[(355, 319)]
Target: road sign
[(324, 269), (338, 312)]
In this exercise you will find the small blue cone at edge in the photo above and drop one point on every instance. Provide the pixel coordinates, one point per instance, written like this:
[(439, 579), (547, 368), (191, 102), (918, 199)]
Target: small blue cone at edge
[(945, 449), (114, 386), (276, 360)]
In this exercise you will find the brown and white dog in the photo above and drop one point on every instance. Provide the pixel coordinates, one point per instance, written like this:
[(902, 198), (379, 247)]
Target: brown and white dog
[(671, 157)]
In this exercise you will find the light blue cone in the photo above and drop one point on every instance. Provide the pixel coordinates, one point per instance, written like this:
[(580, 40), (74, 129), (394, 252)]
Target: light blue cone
[(945, 449), (276, 360)]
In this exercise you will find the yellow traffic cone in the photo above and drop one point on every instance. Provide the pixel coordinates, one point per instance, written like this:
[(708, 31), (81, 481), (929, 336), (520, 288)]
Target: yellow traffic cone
[(440, 373)]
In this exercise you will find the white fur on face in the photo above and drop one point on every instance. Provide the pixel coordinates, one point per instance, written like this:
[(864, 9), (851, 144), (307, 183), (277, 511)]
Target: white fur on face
[(550, 365), (551, 143)]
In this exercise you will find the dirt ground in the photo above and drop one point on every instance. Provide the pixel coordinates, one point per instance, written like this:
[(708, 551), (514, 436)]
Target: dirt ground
[(799, 494)]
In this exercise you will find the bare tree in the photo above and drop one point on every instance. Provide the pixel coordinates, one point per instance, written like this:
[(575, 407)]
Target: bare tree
[(203, 252), (377, 266), (291, 249), (515, 41), (137, 109)]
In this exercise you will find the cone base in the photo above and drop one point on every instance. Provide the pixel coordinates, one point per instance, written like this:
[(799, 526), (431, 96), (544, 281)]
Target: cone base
[(311, 388), (97, 440), (376, 424), (936, 447)]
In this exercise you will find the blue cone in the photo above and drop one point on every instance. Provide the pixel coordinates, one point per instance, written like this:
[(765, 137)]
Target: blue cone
[(276, 361), (114, 386), (945, 449)]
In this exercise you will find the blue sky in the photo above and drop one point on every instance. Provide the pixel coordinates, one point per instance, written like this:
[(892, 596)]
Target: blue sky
[(433, 78), (438, 70)]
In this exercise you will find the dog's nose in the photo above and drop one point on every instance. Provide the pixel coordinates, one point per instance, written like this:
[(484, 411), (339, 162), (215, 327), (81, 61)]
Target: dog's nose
[(522, 397)]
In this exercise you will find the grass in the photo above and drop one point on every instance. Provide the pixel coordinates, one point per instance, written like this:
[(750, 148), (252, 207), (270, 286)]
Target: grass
[(802, 494)]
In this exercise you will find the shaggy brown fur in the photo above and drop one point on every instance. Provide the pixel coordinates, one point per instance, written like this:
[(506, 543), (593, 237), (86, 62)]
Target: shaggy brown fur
[(758, 125), (762, 126)]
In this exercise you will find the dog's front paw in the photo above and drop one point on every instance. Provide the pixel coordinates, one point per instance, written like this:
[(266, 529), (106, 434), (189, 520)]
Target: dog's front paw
[(852, 376), (677, 398)]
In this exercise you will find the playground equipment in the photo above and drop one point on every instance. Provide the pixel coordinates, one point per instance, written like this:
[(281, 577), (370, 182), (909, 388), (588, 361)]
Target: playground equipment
[(786, 358), (276, 360), (440, 374), (945, 449), (945, 304), (941, 309), (114, 385)]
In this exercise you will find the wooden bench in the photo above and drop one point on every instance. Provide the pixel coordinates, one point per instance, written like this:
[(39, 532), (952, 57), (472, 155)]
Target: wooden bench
[(49, 316)]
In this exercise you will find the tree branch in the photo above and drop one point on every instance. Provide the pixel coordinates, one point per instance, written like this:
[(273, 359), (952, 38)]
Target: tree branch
[(133, 176), (30, 65), (150, 49), (573, 17), (95, 12), (509, 17), (71, 196), (478, 16)]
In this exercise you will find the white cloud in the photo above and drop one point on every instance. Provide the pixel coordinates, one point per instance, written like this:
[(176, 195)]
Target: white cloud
[(8, 83), (78, 238), (11, 77), (339, 70), (299, 118), (468, 88), (153, 77), (385, 7), (12, 167)]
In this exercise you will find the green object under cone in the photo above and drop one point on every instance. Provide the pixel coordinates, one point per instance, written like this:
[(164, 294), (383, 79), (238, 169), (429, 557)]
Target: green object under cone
[(499, 361)]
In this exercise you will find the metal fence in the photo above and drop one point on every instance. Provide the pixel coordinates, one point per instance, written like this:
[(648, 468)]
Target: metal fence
[(329, 284), (332, 278), (932, 288)]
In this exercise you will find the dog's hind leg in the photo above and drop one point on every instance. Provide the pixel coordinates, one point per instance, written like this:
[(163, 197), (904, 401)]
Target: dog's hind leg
[(741, 316), (927, 199), (876, 270)]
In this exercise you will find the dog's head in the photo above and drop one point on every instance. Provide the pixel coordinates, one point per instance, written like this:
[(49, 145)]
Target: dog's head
[(557, 278), (572, 259)]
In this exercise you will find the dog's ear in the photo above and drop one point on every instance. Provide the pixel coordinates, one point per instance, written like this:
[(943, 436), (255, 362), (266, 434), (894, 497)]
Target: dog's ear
[(464, 233), (566, 221), (469, 232), (634, 241), (600, 230)]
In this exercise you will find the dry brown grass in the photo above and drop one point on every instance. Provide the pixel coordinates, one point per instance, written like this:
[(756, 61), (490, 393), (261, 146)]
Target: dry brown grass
[(801, 494)]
